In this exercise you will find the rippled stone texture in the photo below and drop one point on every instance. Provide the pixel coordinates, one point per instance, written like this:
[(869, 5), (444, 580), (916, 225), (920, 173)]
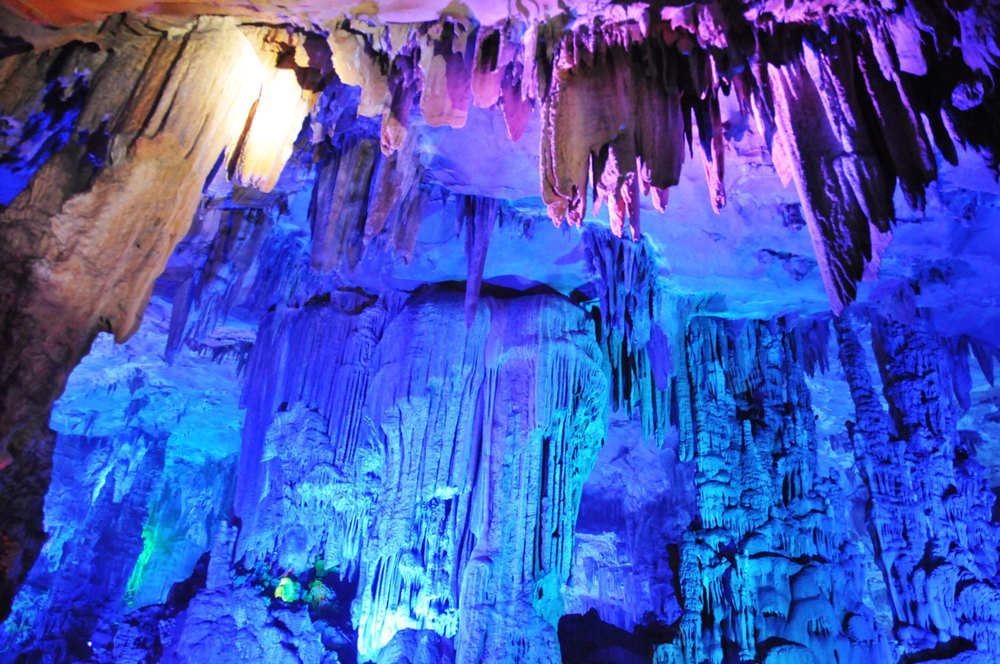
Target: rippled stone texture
[(449, 481)]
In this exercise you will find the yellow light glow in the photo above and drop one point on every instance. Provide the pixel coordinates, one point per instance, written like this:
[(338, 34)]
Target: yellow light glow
[(275, 123)]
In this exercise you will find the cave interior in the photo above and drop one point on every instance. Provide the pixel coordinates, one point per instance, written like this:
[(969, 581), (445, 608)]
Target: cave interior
[(495, 332)]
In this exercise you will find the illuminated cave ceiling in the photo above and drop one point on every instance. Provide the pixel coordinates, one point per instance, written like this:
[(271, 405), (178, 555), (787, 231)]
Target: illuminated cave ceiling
[(853, 111), (772, 161)]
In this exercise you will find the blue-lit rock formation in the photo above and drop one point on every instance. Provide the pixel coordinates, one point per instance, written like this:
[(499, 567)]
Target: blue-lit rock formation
[(142, 473), (295, 366), (441, 463)]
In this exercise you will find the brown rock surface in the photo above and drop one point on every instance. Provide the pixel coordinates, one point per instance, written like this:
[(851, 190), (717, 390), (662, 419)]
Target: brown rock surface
[(82, 244)]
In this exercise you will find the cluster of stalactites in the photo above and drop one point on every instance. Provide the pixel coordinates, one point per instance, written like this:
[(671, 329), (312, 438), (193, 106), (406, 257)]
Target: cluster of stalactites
[(637, 349), (842, 105), (360, 195), (617, 115), (449, 63), (840, 108)]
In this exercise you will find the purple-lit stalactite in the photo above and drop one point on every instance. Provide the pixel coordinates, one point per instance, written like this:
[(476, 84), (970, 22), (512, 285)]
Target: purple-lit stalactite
[(837, 107)]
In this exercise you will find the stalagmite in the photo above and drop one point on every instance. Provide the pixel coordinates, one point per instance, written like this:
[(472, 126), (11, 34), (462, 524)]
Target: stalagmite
[(916, 479), (323, 402)]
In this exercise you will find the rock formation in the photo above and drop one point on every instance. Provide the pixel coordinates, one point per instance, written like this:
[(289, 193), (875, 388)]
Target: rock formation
[(300, 363)]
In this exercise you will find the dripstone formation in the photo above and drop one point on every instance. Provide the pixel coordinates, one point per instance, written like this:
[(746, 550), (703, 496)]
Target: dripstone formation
[(500, 333)]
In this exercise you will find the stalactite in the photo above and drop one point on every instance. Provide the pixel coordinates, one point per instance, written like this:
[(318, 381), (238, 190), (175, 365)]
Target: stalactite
[(606, 116), (712, 147), (848, 221), (479, 215), (356, 63), (395, 178), (338, 220), (637, 349), (813, 344), (360, 194), (287, 94), (488, 68), (403, 83), (445, 65), (619, 97), (861, 131)]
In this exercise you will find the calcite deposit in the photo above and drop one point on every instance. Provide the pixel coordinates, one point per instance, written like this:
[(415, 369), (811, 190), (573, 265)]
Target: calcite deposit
[(421, 332)]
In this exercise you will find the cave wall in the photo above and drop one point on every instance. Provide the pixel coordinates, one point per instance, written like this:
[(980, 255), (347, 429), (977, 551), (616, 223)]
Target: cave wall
[(788, 561), (837, 515)]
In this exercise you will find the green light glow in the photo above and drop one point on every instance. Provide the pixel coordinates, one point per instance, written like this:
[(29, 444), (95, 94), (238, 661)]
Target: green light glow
[(151, 543), (288, 590)]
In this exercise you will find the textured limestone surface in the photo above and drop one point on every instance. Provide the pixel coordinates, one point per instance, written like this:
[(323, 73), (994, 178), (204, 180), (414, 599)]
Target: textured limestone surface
[(413, 332)]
